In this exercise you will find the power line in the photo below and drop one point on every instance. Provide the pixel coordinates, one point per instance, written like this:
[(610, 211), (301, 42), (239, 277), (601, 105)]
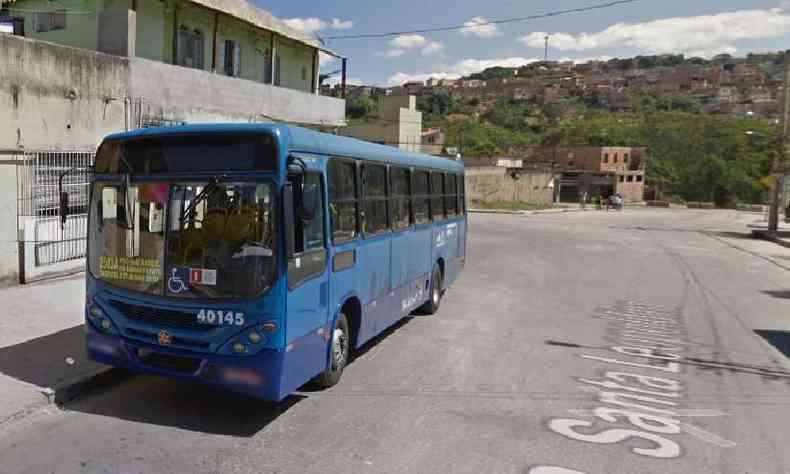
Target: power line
[(492, 22)]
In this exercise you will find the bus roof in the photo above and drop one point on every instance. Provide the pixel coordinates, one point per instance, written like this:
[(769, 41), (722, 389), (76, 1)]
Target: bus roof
[(309, 141)]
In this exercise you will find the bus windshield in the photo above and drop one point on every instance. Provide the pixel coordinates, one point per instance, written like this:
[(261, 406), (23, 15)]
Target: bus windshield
[(189, 239)]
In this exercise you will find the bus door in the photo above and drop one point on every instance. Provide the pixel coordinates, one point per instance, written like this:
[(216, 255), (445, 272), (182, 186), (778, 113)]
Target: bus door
[(308, 286)]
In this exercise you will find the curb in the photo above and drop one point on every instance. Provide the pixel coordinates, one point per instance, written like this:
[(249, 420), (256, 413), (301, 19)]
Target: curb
[(103, 379), (766, 235), (522, 213), (496, 211)]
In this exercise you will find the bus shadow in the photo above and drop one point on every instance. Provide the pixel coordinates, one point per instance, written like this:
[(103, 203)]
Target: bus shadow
[(366, 347), (153, 400), (52, 361), (779, 339)]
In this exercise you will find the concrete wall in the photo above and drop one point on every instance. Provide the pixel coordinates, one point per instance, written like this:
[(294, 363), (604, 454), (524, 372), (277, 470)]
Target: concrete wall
[(54, 96), (9, 256), (494, 184), (58, 97), (191, 95)]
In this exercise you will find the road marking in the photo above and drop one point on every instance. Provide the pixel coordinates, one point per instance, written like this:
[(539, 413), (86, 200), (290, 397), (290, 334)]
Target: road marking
[(649, 344), (705, 435), (553, 470), (681, 412)]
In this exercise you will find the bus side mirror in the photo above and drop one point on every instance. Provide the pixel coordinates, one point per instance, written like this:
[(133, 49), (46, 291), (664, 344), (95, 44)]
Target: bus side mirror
[(289, 226), (311, 199), (64, 208)]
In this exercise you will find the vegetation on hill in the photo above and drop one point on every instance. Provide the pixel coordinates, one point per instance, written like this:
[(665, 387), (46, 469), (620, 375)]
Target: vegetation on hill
[(692, 156)]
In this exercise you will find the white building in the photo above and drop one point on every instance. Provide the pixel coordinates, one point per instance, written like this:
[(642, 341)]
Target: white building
[(399, 124)]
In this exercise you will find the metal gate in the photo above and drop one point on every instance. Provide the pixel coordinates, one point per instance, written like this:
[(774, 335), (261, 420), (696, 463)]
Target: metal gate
[(38, 175)]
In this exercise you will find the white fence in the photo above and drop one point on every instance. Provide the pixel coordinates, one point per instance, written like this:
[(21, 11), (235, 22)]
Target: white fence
[(48, 244)]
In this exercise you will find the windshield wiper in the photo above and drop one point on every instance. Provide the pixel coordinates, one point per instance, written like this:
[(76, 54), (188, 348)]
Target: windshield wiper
[(128, 206)]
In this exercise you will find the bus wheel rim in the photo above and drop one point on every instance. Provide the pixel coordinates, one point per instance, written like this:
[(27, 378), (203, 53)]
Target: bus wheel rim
[(339, 341)]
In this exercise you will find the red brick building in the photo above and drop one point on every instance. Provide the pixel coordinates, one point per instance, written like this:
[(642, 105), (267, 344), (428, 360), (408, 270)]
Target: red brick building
[(598, 171)]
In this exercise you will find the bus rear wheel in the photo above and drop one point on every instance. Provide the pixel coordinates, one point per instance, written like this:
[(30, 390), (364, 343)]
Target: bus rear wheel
[(340, 348), (432, 305)]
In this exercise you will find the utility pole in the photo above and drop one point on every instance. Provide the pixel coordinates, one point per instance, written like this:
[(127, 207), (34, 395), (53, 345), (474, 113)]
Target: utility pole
[(546, 52), (779, 162)]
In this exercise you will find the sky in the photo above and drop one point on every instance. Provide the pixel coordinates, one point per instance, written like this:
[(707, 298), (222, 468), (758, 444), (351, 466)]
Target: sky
[(692, 27)]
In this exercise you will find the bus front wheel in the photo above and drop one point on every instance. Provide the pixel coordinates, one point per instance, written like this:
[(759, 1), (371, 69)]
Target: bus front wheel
[(340, 347), (435, 296)]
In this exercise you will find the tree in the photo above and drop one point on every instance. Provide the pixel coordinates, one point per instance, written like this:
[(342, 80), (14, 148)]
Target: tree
[(360, 107)]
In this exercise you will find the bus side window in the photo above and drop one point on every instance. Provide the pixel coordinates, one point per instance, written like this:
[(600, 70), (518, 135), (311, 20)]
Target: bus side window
[(343, 200), (400, 198), (461, 194), (309, 252), (422, 197), (437, 196), (451, 198), (374, 184)]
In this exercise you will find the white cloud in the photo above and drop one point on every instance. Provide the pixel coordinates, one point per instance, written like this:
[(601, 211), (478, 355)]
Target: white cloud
[(432, 48), (477, 27), (338, 24), (402, 44), (326, 59), (392, 53), (306, 25), (707, 34), (461, 68), (408, 41), (312, 25)]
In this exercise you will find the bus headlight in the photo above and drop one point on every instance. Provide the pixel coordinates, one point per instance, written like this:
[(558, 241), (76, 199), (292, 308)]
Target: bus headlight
[(106, 324), (96, 312), (239, 348), (254, 337)]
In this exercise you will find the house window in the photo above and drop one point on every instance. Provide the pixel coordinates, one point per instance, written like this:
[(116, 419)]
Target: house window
[(625, 158), (615, 158), (50, 21), (622, 178), (606, 157), (267, 66), (231, 58), (277, 69), (190, 48), (630, 178), (639, 178)]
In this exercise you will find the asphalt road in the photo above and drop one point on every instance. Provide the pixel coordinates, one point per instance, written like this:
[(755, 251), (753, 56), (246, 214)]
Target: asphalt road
[(646, 341)]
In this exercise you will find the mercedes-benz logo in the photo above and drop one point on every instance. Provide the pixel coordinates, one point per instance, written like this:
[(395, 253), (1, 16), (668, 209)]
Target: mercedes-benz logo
[(165, 338)]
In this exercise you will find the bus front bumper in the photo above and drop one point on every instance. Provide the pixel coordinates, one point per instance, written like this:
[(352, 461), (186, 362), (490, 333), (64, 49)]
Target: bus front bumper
[(257, 375)]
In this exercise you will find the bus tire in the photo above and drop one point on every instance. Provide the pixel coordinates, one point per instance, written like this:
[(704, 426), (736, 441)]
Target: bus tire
[(435, 295), (340, 348)]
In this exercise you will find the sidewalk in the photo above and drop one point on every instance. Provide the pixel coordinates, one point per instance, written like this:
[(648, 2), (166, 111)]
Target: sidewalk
[(42, 353), (553, 210)]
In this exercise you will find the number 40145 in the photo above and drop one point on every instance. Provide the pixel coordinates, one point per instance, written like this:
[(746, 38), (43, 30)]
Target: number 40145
[(212, 317)]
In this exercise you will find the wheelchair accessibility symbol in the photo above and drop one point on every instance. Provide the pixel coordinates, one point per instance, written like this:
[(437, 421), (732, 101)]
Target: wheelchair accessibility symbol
[(176, 283)]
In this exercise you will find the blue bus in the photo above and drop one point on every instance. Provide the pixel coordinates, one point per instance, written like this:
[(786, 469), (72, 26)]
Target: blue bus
[(258, 257)]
